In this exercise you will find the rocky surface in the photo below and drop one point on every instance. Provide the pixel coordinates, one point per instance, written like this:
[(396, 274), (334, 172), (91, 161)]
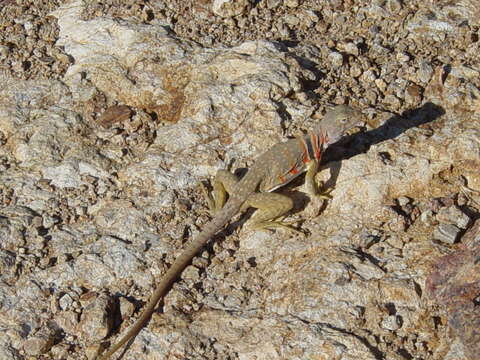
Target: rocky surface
[(111, 114)]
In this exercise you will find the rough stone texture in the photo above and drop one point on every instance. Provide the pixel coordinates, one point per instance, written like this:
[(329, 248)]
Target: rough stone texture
[(229, 8), (102, 148), (453, 215), (96, 321), (454, 284), (446, 233), (39, 343)]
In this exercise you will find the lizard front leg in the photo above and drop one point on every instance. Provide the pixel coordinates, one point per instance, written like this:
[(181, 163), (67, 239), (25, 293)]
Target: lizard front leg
[(312, 186)]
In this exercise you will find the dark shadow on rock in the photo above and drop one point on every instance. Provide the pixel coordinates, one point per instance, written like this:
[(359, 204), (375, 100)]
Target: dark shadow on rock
[(392, 128), (360, 143)]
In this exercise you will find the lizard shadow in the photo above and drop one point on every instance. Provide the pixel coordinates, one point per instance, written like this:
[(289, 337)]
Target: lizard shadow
[(360, 143)]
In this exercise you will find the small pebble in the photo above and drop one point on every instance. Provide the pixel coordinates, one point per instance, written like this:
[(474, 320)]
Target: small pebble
[(336, 59)]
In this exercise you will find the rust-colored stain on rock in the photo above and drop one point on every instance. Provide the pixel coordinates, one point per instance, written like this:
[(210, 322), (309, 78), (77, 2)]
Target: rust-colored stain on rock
[(114, 114), (174, 82)]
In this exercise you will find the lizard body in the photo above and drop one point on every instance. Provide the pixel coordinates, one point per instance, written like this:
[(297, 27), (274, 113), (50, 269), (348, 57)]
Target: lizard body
[(278, 166)]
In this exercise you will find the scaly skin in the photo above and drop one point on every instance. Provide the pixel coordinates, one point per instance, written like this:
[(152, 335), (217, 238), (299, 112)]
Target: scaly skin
[(278, 166)]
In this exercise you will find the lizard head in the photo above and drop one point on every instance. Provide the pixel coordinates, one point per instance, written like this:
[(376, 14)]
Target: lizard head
[(338, 121)]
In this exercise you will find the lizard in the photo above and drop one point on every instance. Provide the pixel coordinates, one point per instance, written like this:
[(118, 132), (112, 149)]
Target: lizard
[(278, 166)]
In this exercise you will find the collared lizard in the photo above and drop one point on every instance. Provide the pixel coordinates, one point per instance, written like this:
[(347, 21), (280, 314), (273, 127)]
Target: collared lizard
[(278, 166)]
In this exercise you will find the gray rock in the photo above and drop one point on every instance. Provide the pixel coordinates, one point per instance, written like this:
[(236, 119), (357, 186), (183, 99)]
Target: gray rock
[(272, 4), (97, 318), (425, 72), (453, 215), (391, 323), (65, 302), (63, 176), (40, 343), (67, 321), (446, 233), (427, 217), (229, 8), (394, 6), (292, 3), (336, 59)]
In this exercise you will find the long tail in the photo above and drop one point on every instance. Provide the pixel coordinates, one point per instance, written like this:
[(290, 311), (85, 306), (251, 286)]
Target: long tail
[(191, 249)]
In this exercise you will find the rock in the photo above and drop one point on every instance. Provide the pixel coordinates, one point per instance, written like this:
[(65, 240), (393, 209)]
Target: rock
[(4, 50), (96, 320), (391, 323), (403, 201), (336, 59), (370, 76), (394, 6), (114, 114), (40, 343), (272, 4), (355, 71), (427, 217), (453, 215), (413, 95), (393, 101), (191, 273), (229, 8), (454, 285), (403, 57), (292, 3), (446, 233), (60, 351), (292, 20), (350, 48), (127, 308), (427, 25), (309, 18), (68, 321), (425, 72), (63, 176), (382, 86), (65, 302)]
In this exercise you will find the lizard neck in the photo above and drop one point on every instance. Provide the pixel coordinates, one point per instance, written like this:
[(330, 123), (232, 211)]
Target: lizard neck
[(313, 145)]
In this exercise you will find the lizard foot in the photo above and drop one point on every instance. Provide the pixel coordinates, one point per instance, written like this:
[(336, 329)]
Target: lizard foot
[(207, 194)]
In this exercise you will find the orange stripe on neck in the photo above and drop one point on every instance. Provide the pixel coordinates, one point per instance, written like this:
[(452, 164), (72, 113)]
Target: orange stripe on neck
[(316, 145), (305, 158)]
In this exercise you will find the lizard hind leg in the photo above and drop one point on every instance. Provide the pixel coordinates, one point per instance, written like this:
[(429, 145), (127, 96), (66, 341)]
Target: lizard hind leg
[(223, 184), (271, 207)]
